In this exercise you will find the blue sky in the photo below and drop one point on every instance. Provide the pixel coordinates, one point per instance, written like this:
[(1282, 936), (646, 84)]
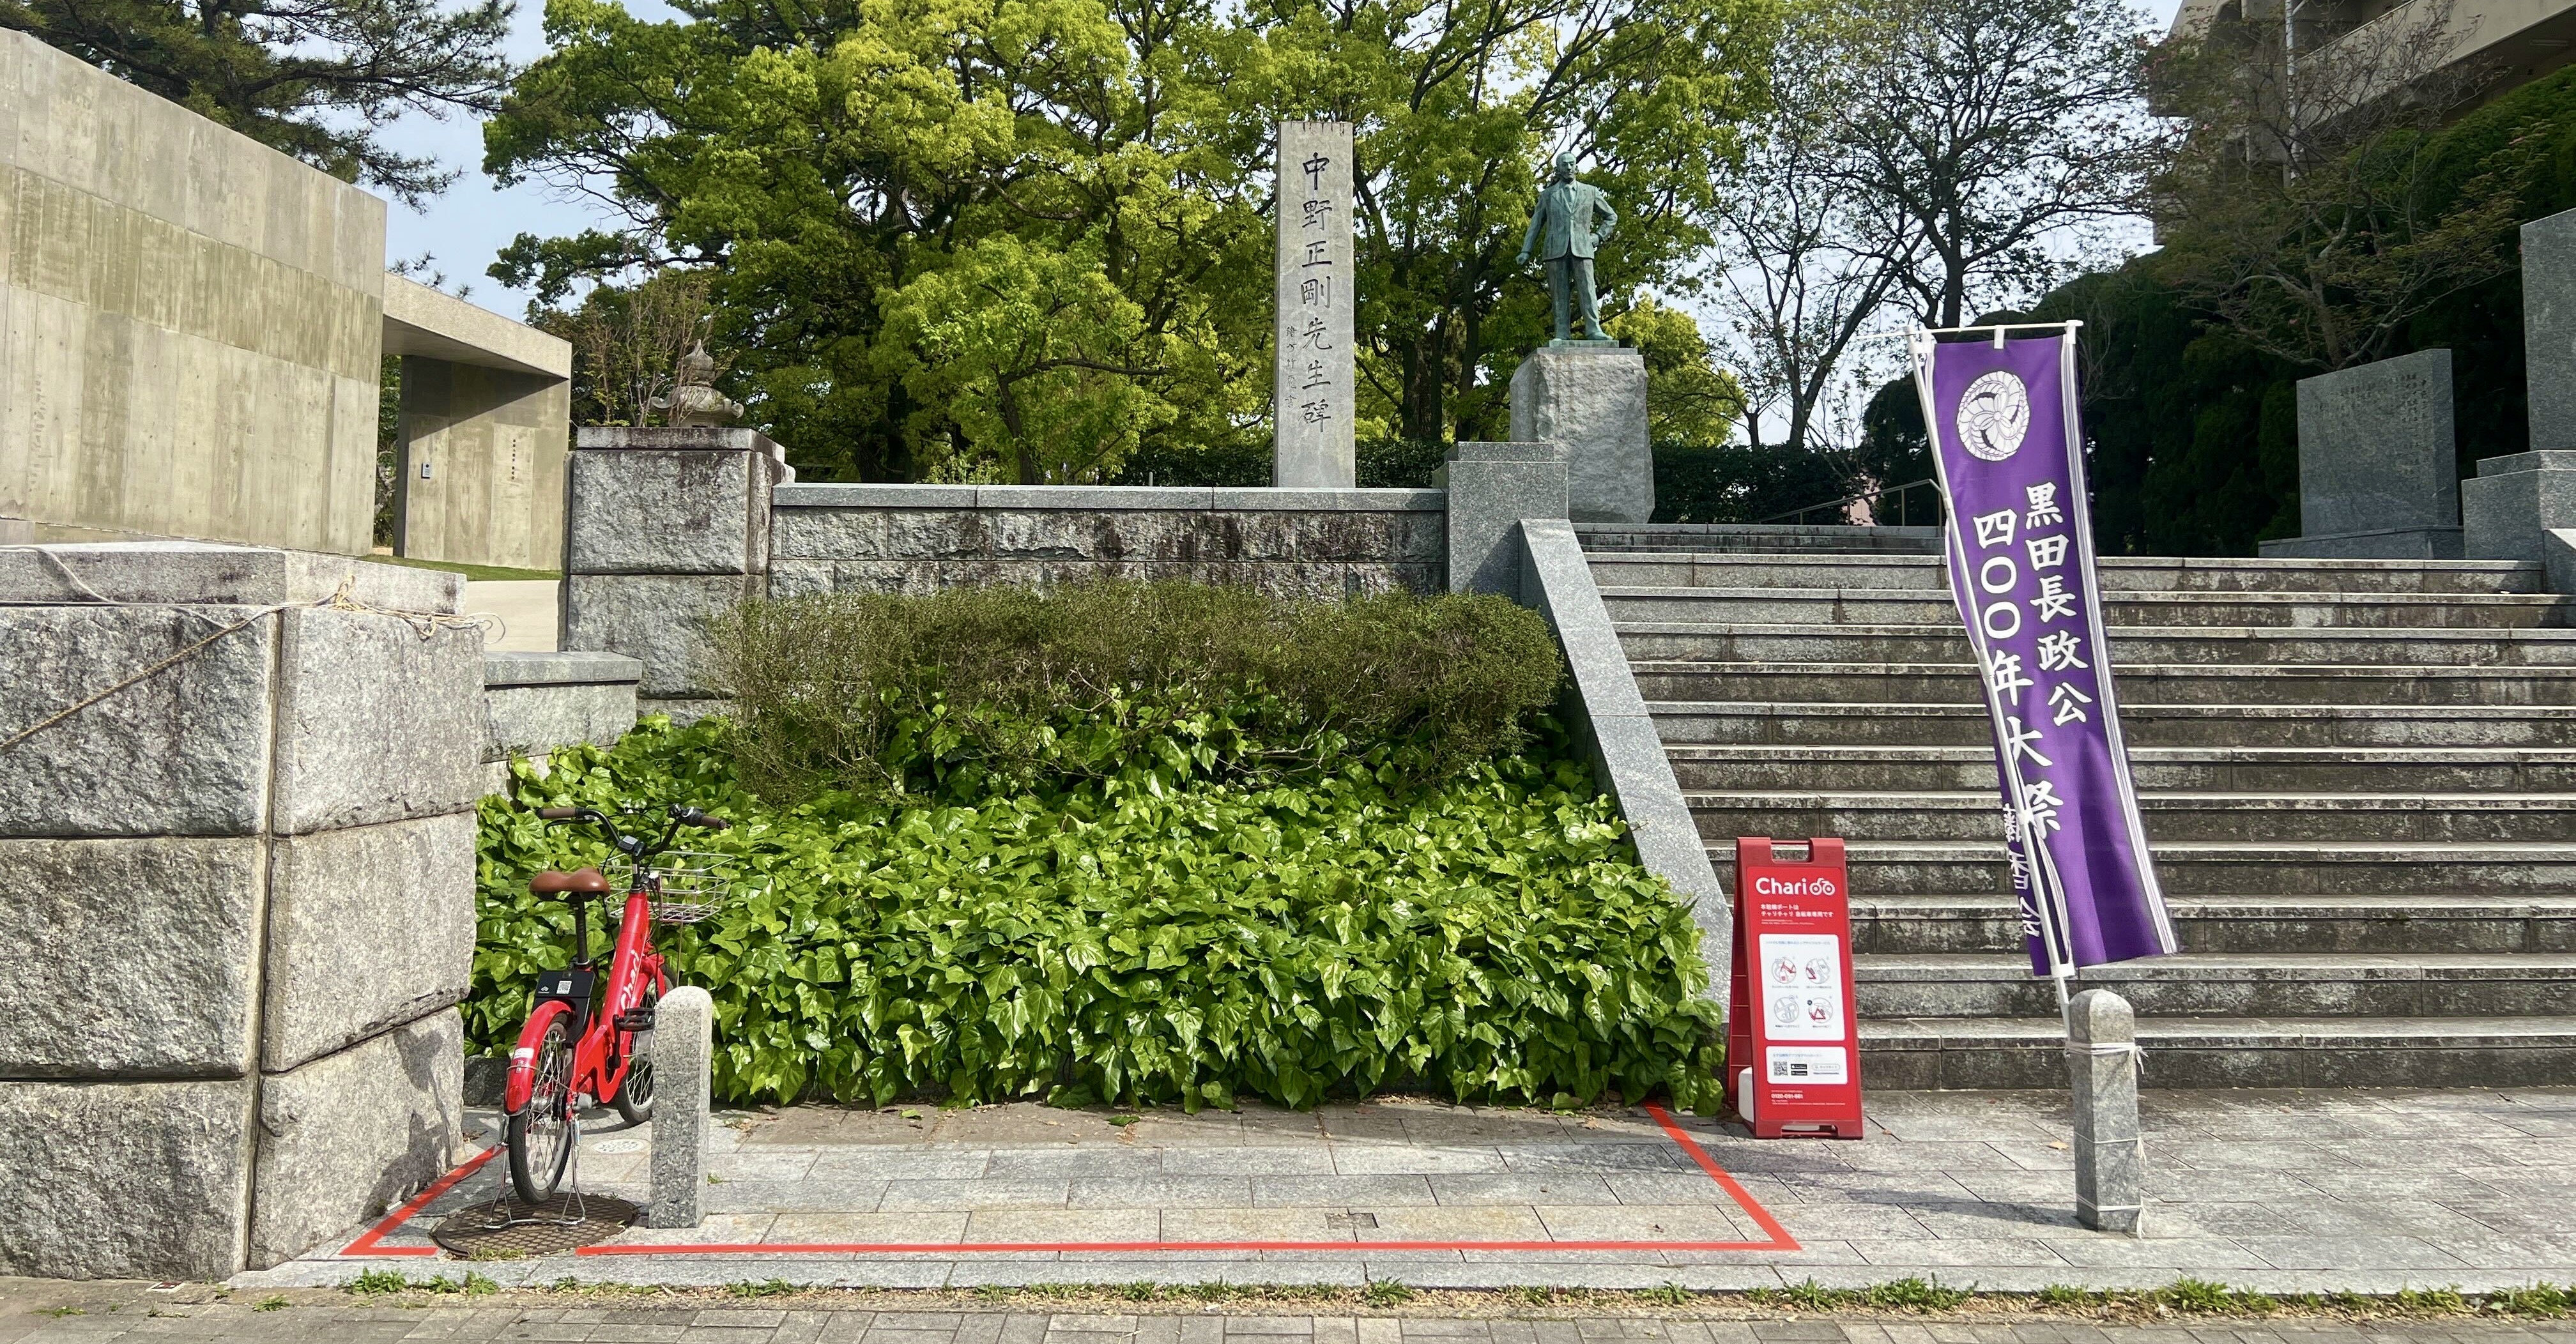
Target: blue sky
[(464, 228)]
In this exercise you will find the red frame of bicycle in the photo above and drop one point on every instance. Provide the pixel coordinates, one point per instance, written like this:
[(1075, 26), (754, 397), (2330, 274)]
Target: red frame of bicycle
[(633, 965)]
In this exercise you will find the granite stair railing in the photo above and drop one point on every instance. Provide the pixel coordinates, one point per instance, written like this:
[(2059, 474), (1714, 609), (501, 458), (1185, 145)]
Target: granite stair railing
[(2360, 778)]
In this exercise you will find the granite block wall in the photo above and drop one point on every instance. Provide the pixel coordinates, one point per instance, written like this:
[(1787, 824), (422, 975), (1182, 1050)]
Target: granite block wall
[(920, 538), (245, 884)]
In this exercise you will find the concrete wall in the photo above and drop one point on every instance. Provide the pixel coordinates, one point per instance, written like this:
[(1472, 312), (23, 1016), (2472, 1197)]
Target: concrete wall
[(240, 892), (486, 426), (189, 322)]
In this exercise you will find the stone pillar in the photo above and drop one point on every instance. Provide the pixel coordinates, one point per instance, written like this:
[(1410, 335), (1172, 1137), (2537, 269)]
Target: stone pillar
[(2379, 475), (1492, 487), (683, 1078), (1313, 400), (2549, 329), (2515, 500), (240, 898), (2110, 1151), (664, 529), (1591, 400)]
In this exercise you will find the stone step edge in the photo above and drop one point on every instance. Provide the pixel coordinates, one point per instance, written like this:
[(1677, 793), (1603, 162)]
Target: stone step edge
[(1893, 709), (2367, 905), (1949, 753), (1674, 667), (2257, 597), (2409, 633), (2219, 851), (2222, 1033), (2221, 563), (2182, 967), (1946, 800)]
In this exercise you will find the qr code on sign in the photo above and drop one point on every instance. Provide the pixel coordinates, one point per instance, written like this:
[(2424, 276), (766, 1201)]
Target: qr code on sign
[(1785, 1069)]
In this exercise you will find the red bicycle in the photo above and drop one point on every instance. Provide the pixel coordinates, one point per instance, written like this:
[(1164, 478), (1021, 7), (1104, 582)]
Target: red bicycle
[(570, 1053)]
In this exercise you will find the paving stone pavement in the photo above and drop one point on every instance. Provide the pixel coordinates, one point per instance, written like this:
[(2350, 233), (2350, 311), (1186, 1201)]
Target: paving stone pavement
[(751, 1325), (2276, 1191)]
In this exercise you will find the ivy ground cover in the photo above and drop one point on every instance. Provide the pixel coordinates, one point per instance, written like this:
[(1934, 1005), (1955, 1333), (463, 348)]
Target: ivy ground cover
[(1250, 903)]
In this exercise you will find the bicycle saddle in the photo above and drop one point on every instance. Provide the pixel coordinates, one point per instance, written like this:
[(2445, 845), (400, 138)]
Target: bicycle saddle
[(579, 882)]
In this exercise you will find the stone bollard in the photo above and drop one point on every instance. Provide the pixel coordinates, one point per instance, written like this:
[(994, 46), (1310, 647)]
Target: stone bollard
[(2110, 1153), (683, 1075)]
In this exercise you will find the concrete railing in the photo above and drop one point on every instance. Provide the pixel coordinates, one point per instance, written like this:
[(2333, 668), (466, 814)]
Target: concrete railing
[(1627, 753)]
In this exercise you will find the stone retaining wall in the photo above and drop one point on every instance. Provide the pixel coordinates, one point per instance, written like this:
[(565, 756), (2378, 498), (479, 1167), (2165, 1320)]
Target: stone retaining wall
[(534, 703), (922, 538), (241, 891)]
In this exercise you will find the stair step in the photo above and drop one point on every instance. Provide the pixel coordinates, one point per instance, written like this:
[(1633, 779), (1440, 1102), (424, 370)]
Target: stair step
[(1802, 645), (2169, 684), (2196, 868), (1972, 814), (1924, 1053), (2249, 924), (1757, 538), (2117, 574), (2227, 984), (2301, 611), (1688, 723), (2227, 769)]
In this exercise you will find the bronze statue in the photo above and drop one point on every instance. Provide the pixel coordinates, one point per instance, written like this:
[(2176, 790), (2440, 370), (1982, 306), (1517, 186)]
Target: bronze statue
[(694, 401), (1571, 217)]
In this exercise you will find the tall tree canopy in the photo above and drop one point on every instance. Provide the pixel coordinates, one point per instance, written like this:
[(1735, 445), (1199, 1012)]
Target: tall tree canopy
[(1026, 239), (314, 78)]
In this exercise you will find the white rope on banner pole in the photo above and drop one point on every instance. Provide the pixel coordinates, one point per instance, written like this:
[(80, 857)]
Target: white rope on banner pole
[(1908, 335)]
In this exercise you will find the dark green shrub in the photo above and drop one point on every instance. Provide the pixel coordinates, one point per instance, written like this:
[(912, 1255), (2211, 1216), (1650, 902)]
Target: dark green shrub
[(1732, 483), (970, 692)]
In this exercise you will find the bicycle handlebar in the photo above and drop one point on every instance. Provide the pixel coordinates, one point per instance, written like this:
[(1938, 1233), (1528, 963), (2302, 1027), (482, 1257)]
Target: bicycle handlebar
[(634, 846)]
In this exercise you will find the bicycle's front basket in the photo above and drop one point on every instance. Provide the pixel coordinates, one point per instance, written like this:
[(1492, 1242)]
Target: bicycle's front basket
[(682, 886)]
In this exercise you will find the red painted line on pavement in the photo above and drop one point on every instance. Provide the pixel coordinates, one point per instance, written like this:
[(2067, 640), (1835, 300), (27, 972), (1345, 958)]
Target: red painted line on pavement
[(366, 1242), (1780, 1240)]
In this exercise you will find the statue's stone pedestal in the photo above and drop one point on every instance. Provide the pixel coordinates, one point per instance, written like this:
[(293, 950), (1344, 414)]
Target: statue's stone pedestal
[(1591, 400)]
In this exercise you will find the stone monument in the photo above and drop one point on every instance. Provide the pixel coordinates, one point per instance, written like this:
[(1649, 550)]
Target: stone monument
[(1313, 399), (1586, 395), (2378, 472), (2515, 501)]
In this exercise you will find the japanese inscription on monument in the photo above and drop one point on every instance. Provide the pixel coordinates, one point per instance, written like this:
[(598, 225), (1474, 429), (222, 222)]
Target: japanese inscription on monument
[(1313, 403)]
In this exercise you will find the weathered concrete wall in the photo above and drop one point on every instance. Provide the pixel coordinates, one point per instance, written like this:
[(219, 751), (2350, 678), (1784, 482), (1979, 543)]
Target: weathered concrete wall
[(485, 429), (245, 885), (189, 321)]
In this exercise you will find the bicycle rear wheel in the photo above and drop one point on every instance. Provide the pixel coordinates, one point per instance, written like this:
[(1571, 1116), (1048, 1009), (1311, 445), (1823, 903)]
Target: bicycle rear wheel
[(541, 1134)]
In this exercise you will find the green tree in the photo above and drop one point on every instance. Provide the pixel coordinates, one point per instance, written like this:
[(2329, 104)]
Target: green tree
[(834, 163), (1689, 400), (317, 79), (627, 342)]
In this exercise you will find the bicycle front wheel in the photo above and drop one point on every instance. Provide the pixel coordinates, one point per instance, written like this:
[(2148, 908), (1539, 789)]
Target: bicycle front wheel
[(541, 1134)]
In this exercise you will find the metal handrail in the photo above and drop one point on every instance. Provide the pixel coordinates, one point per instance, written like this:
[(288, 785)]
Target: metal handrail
[(1897, 490)]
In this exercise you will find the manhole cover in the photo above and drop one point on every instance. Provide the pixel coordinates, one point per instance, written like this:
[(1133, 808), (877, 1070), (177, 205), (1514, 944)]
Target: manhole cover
[(513, 1229)]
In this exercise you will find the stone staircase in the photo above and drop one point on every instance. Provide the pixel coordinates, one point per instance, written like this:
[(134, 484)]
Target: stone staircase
[(2359, 776)]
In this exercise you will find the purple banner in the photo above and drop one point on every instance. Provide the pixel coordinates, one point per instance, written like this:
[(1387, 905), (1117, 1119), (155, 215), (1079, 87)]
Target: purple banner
[(2007, 446)]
